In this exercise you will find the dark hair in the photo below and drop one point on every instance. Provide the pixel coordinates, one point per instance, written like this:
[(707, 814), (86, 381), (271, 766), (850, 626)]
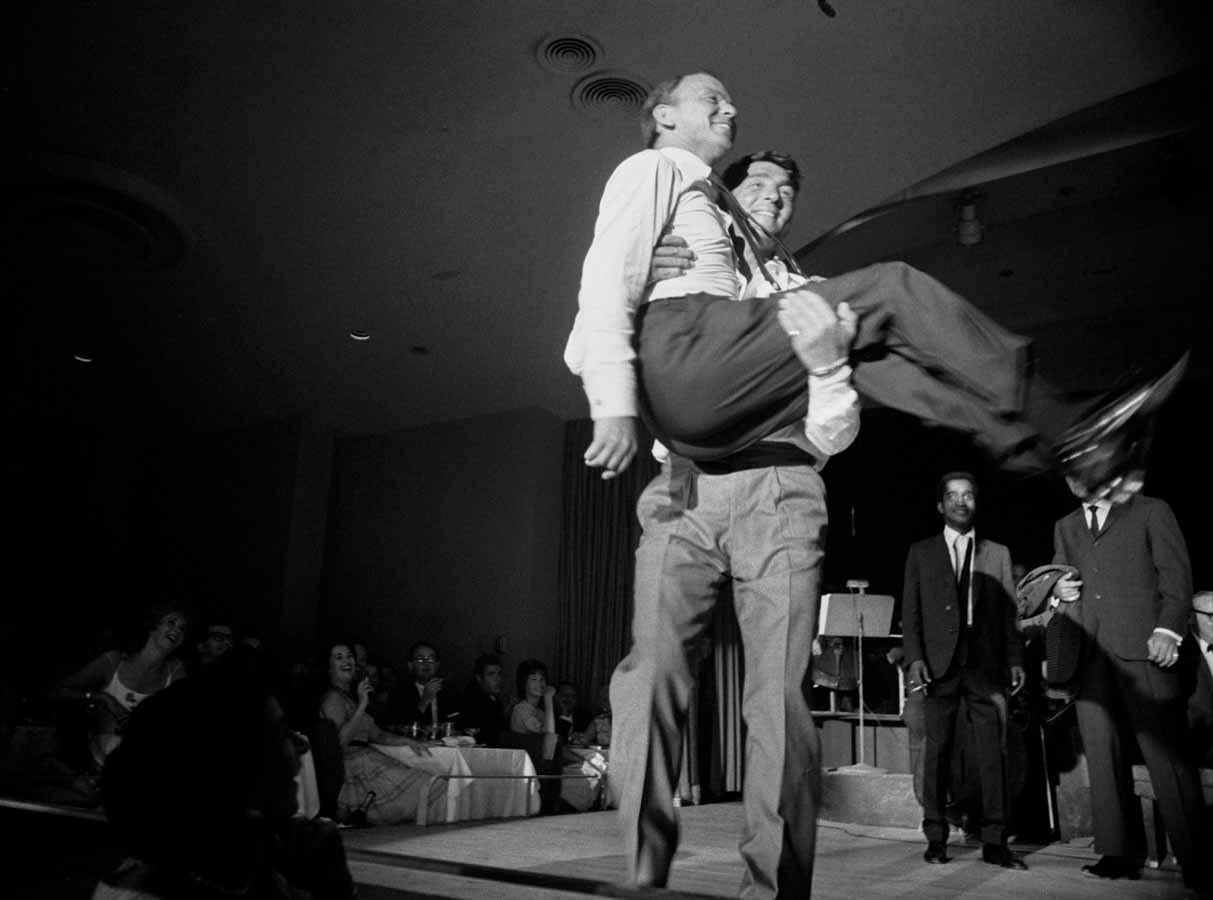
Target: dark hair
[(193, 758), (483, 661), (953, 476), (662, 93), (417, 645), (526, 669), (736, 173), (134, 633)]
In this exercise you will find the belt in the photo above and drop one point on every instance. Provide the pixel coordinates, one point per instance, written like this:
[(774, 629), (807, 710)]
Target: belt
[(762, 455)]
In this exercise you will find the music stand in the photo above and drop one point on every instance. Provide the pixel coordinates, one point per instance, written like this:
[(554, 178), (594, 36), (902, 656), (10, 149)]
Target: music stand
[(856, 615)]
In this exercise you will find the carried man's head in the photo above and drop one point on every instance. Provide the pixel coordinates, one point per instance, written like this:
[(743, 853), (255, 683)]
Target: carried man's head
[(766, 185), (693, 112)]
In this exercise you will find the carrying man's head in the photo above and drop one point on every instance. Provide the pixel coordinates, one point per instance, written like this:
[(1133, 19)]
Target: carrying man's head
[(693, 112)]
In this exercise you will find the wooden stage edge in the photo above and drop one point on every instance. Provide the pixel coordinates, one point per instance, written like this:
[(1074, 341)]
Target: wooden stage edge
[(575, 856)]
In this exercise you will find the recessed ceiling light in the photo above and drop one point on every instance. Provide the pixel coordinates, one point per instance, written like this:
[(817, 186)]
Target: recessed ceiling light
[(82, 357), (360, 335)]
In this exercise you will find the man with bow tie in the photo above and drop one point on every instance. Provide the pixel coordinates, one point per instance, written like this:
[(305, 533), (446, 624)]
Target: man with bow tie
[(1130, 603)]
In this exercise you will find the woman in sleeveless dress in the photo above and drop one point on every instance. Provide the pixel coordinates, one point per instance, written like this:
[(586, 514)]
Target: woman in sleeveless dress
[(395, 787), (117, 681)]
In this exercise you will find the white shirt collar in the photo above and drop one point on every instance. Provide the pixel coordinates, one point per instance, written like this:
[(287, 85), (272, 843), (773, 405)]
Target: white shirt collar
[(691, 166), (950, 535)]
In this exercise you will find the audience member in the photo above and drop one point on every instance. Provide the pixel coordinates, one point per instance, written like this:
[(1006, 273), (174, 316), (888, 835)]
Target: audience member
[(1198, 659), (958, 618), (207, 812), (535, 711), (382, 787), (598, 732), (571, 719), (533, 718), (217, 639), (117, 681), (430, 699), (483, 713)]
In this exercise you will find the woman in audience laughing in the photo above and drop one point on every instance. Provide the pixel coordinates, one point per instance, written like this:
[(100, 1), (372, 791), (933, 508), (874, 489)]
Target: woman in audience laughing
[(384, 788)]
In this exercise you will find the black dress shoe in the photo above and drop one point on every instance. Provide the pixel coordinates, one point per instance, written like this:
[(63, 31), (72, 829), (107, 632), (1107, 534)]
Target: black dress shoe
[(1110, 444), (1113, 867), (936, 853), (998, 855)]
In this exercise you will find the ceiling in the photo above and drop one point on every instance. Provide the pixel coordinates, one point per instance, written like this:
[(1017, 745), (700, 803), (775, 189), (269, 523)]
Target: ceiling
[(207, 199)]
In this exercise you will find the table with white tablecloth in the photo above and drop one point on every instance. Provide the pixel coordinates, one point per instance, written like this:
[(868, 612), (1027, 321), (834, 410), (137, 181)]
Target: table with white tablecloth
[(482, 782), (478, 783)]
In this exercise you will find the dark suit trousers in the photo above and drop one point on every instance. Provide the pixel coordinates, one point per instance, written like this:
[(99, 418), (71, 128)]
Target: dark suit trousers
[(1117, 693), (717, 375), (987, 707)]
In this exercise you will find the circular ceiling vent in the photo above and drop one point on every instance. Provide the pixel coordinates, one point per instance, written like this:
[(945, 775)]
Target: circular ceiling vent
[(79, 212), (568, 53), (609, 92)]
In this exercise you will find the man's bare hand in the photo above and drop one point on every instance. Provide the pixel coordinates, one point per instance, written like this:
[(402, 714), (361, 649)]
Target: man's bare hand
[(1067, 588), (671, 258), (1018, 678), (920, 675), (613, 446), (820, 337), (1163, 649)]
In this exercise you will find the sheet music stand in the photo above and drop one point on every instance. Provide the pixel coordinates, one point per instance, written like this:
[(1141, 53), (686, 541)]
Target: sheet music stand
[(855, 615)]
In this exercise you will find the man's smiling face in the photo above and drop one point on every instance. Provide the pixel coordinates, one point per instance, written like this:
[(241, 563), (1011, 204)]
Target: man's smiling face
[(700, 118), (767, 194)]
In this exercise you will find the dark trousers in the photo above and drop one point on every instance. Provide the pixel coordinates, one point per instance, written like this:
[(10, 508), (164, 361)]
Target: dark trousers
[(986, 706), (1115, 694), (717, 375)]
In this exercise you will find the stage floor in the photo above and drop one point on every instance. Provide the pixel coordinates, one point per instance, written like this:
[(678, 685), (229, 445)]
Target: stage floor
[(571, 856)]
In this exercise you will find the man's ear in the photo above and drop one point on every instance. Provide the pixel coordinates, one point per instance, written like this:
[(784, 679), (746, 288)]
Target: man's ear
[(939, 506), (663, 115)]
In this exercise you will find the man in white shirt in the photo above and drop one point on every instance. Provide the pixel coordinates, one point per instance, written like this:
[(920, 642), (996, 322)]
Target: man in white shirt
[(960, 643), (758, 518)]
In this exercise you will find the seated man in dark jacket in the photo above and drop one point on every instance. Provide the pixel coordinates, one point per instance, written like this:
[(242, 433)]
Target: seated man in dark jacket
[(483, 703)]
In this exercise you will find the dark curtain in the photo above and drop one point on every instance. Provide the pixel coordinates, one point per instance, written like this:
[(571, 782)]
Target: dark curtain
[(598, 543)]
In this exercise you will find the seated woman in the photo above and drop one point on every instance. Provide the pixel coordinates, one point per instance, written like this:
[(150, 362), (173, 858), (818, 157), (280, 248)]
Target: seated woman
[(533, 720), (535, 711), (210, 812), (117, 681), (384, 788)]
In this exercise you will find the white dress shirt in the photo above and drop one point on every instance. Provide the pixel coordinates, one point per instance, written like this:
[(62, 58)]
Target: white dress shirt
[(647, 192), (951, 536)]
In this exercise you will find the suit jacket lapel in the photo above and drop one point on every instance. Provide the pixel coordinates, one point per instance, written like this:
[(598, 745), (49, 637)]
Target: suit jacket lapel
[(1115, 515)]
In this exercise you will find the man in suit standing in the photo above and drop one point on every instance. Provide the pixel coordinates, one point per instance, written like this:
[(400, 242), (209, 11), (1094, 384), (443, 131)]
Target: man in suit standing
[(1133, 594), (958, 619), (1199, 688)]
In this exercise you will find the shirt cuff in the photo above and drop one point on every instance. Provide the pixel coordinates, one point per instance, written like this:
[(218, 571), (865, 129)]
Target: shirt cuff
[(1179, 638), (611, 391)]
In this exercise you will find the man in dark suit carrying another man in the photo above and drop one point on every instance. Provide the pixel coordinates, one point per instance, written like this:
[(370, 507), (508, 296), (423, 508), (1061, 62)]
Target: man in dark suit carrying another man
[(958, 619)]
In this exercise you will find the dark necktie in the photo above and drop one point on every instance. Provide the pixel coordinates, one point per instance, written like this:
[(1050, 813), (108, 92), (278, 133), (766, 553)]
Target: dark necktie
[(739, 255), (1094, 521), (725, 199), (962, 577)]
